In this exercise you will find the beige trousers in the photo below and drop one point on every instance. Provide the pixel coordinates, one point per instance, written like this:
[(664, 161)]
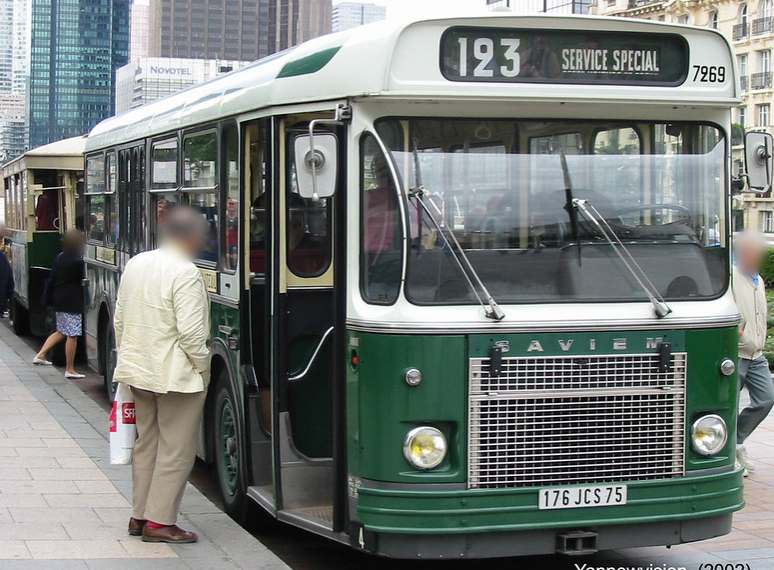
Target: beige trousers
[(165, 451)]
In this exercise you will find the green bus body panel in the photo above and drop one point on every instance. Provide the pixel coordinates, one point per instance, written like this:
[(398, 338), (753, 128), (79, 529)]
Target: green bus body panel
[(450, 512), (308, 64), (225, 316), (389, 408), (382, 408), (44, 248), (310, 417), (30, 272), (710, 391)]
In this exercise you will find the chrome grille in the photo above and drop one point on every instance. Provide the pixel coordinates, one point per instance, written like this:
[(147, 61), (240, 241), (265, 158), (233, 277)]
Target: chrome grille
[(576, 420)]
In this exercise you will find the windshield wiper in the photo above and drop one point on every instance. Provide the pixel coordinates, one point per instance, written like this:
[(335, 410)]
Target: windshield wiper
[(590, 212), (491, 309)]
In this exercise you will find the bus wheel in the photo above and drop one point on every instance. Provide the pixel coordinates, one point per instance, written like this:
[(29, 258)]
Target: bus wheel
[(20, 318), (109, 358), (228, 451)]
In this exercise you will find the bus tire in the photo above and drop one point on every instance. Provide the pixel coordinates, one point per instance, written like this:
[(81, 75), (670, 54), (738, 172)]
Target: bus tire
[(108, 357), (228, 451), (20, 318)]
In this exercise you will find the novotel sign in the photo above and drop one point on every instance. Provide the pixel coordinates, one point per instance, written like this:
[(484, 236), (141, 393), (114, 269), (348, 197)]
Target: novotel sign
[(161, 70)]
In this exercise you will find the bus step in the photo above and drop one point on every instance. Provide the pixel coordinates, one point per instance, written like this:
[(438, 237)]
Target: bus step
[(576, 542)]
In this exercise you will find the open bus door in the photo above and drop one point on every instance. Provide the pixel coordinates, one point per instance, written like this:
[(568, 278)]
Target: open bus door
[(294, 298), (309, 381)]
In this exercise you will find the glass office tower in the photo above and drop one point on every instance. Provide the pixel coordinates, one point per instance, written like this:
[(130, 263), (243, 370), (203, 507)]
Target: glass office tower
[(76, 47)]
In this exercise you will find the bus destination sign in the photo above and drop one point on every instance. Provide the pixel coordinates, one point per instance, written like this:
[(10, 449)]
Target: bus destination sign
[(564, 56)]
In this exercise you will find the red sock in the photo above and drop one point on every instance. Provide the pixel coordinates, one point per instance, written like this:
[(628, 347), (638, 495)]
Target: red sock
[(154, 525)]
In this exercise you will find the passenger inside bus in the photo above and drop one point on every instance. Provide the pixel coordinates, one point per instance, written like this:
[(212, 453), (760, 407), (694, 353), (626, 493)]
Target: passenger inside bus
[(232, 232), (258, 235), (307, 234), (46, 215)]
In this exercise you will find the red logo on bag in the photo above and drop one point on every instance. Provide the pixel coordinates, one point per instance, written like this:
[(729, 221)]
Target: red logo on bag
[(128, 413), (113, 419)]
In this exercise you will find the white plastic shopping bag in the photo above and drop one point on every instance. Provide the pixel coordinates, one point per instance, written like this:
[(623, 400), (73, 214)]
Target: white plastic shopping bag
[(122, 426)]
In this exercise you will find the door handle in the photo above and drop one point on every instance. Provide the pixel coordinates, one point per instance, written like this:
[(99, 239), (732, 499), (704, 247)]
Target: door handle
[(305, 371)]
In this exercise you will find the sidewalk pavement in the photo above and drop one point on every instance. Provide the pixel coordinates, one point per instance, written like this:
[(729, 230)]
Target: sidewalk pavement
[(63, 506)]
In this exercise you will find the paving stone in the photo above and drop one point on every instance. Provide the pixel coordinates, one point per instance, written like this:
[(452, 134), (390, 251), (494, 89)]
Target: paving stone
[(62, 474), (13, 487), (13, 550), (81, 500), (23, 500), (76, 549), (48, 565), (32, 531), (136, 548), (66, 516)]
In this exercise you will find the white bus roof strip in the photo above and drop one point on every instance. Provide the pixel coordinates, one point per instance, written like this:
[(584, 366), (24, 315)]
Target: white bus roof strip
[(402, 58)]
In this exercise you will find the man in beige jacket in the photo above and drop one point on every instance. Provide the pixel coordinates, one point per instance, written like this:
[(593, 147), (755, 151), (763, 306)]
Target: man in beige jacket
[(162, 323), (754, 374)]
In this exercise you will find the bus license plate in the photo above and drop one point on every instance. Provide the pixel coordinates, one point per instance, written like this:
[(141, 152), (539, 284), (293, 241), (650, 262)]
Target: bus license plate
[(579, 497)]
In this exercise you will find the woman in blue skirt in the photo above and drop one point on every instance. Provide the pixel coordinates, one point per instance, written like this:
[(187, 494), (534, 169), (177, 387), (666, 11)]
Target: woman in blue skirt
[(65, 294)]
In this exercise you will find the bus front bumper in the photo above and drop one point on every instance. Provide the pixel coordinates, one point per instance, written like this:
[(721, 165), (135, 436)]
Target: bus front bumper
[(427, 523)]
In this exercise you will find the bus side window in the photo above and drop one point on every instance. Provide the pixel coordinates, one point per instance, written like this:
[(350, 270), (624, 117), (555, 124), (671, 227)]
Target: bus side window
[(200, 160), (164, 176), (255, 177), (308, 228), (230, 141), (111, 210), (164, 167), (161, 204), (95, 198), (382, 251)]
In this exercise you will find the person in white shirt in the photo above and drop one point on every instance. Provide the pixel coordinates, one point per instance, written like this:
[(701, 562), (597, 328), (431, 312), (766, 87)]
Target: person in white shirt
[(754, 374), (162, 325)]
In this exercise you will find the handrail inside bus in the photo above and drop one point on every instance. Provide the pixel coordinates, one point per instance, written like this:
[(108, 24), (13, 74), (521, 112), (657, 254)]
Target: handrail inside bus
[(305, 371)]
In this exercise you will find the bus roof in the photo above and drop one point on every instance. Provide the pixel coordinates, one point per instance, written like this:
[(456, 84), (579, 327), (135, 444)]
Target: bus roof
[(66, 154), (401, 59)]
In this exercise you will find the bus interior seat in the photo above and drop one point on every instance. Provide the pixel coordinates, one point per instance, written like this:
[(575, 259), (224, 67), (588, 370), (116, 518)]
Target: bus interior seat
[(600, 274)]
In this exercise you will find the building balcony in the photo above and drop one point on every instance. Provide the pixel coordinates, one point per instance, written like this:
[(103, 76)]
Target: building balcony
[(741, 32), (762, 26), (760, 80), (744, 83)]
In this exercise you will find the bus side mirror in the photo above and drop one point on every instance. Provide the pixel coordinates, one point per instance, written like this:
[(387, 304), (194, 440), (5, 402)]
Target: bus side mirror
[(758, 160), (316, 165)]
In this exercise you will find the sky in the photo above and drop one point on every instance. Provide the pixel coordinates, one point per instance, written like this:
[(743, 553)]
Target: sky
[(403, 8)]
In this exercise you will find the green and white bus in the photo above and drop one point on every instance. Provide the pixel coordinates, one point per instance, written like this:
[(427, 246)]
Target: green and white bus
[(469, 280), (42, 190)]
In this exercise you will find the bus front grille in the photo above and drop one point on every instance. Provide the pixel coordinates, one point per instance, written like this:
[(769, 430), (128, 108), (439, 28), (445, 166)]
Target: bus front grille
[(564, 420)]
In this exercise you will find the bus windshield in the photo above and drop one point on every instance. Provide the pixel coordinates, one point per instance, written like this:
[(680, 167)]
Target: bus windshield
[(500, 188)]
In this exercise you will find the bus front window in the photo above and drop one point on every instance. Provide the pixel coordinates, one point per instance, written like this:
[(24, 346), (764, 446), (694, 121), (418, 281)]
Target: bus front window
[(501, 191)]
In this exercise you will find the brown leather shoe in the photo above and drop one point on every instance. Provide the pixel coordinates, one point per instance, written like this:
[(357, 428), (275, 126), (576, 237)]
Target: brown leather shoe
[(171, 533), (136, 526)]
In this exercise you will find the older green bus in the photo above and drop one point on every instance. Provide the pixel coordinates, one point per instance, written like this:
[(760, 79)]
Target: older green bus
[(469, 280)]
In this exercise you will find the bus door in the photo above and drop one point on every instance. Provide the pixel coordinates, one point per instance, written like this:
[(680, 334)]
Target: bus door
[(131, 184), (257, 353), (304, 339)]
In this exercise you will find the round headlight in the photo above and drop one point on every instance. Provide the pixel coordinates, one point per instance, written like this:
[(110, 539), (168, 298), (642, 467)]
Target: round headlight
[(727, 367), (709, 434), (424, 447)]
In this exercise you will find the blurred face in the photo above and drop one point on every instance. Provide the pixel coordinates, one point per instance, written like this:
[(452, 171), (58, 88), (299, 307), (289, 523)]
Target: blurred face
[(194, 244), (232, 206), (750, 256)]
